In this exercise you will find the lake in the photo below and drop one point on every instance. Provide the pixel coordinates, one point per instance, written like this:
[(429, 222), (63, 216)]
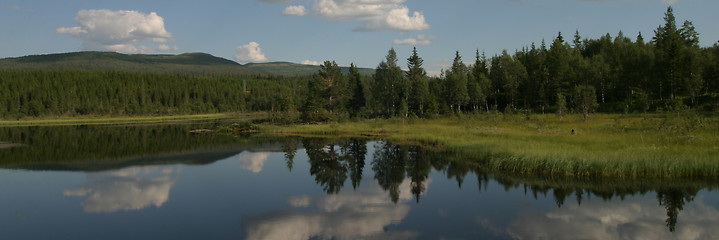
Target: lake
[(165, 182)]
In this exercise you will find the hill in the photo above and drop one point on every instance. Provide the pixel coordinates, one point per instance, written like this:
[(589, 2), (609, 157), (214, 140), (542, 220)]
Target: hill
[(187, 63), (294, 69)]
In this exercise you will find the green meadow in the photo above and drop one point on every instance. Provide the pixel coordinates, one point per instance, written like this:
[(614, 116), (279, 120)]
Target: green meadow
[(663, 145)]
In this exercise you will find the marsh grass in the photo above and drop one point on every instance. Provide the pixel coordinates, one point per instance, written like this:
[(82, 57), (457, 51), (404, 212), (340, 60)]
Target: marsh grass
[(667, 145)]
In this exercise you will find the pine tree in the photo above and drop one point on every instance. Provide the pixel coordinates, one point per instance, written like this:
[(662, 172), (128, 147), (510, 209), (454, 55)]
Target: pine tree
[(357, 101), (419, 88)]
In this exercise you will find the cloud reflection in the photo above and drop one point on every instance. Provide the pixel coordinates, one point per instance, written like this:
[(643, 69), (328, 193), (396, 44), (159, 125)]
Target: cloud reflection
[(363, 214), (628, 219), (253, 161), (131, 188)]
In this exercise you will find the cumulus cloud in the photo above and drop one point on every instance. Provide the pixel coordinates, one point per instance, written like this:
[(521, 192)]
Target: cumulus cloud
[(310, 62), (421, 39), (250, 52), (253, 161), (364, 214), (628, 219), (126, 31), (131, 188), (295, 11), (373, 15)]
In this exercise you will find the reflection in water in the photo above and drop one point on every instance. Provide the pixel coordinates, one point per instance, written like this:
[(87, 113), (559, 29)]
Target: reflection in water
[(628, 219), (672, 195), (333, 161), (253, 161), (365, 213), (385, 178), (131, 188)]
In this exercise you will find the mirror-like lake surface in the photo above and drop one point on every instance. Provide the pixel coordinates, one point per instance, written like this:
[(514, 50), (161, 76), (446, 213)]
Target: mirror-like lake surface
[(164, 182)]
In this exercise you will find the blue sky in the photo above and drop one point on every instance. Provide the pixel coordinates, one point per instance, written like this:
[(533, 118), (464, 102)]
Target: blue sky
[(359, 31)]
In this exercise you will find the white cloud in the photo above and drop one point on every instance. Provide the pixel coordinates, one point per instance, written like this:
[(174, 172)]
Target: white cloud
[(131, 188), (295, 11), (364, 214), (253, 161), (122, 31), (250, 52), (628, 219), (374, 15), (421, 39), (310, 62)]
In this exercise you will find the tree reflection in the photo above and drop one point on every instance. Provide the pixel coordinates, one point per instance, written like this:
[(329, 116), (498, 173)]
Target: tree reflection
[(418, 167), (388, 166), (356, 149), (326, 164), (671, 194), (673, 200), (289, 147), (333, 161)]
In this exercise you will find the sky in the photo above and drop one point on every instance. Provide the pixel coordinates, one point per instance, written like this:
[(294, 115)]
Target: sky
[(345, 31)]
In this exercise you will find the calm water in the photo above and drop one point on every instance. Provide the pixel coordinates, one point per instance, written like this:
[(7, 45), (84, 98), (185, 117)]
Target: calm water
[(163, 182)]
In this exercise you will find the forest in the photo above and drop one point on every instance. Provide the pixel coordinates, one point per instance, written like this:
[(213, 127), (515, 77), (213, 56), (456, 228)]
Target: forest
[(617, 74)]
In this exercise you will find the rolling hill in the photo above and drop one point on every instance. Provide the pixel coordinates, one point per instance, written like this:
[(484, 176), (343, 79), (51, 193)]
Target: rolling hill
[(186, 63)]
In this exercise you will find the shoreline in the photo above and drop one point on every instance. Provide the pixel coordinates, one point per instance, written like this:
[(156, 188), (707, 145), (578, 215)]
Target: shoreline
[(129, 121)]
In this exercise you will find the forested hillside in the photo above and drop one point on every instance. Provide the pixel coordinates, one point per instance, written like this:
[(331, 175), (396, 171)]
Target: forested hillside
[(72, 93), (666, 72), (188, 63)]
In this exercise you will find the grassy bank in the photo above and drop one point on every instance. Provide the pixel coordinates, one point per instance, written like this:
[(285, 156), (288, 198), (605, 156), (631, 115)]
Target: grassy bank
[(91, 120), (672, 145)]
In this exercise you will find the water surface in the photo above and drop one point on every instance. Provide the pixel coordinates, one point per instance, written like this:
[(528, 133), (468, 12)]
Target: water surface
[(163, 182)]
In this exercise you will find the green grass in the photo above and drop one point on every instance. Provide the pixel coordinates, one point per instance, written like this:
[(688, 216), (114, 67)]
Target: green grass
[(620, 146), (89, 120)]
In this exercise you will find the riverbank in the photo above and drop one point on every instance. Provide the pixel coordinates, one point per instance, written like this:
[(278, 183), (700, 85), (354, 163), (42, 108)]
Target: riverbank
[(103, 120), (671, 145)]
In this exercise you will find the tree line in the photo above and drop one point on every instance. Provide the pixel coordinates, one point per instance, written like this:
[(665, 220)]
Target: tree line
[(609, 74), (35, 93)]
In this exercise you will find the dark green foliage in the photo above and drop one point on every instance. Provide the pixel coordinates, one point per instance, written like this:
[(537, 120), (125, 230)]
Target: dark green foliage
[(327, 94), (357, 100), (389, 87), (73, 93), (456, 85), (419, 84), (585, 99)]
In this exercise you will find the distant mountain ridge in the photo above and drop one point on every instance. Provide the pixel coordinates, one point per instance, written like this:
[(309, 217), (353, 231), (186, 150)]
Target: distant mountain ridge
[(186, 63)]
